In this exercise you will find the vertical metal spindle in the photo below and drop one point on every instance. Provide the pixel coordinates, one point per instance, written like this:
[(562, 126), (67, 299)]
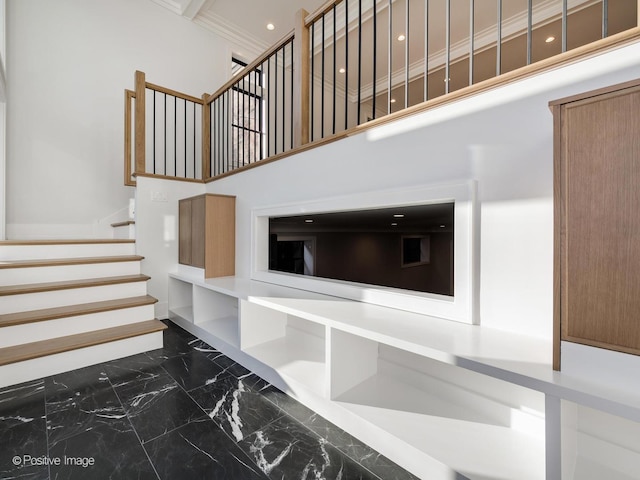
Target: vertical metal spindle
[(194, 137), (564, 26), (426, 50), (375, 56), (499, 42), (313, 63), (175, 136), (447, 47), (346, 64), (268, 87), (243, 111), (333, 116), (406, 54), (359, 60), (165, 134), (291, 101), (605, 18), (227, 130), (322, 84), (154, 131), (261, 119), (284, 97), (529, 30), (185, 141), (255, 118), (390, 57), (275, 107), (472, 34)]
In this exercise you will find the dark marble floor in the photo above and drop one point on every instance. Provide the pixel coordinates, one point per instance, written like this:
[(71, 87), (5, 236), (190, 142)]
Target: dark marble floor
[(184, 411)]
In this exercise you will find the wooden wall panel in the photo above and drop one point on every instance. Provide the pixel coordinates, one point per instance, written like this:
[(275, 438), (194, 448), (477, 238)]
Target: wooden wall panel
[(598, 219)]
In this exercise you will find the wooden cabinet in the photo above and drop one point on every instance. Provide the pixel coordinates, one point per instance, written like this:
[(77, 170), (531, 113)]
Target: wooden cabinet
[(597, 219), (207, 234)]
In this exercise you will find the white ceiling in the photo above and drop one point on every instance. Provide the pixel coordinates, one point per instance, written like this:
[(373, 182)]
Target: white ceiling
[(243, 22)]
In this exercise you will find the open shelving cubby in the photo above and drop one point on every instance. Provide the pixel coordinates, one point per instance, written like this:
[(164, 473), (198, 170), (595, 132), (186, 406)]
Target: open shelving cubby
[(181, 299), (429, 408), (294, 347), (216, 313)]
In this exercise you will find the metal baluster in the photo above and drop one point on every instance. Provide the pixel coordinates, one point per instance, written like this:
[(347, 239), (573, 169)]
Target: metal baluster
[(359, 60), (605, 18), (447, 47), (175, 136), (165, 133), (268, 86), (333, 116), (322, 83), (390, 56), (564, 26), (499, 43), (426, 50), (154, 132), (529, 30), (346, 64), (375, 57), (406, 55), (313, 63), (291, 100), (472, 34), (284, 97)]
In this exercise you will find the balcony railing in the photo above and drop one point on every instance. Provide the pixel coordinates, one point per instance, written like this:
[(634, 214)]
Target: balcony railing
[(356, 61)]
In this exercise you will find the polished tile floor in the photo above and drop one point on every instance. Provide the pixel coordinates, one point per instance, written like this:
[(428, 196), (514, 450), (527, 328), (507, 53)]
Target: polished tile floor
[(184, 411)]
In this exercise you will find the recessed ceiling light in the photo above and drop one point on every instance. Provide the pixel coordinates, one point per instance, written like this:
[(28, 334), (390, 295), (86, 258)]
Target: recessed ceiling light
[(442, 226), (401, 37), (398, 215), (271, 26), (342, 70), (394, 224), (308, 220), (549, 39), (393, 100)]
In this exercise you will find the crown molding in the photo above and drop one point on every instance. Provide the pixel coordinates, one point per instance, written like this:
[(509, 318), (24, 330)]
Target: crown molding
[(231, 32)]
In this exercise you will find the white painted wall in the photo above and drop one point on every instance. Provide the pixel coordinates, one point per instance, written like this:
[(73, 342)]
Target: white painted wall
[(70, 63), (3, 114), (503, 139)]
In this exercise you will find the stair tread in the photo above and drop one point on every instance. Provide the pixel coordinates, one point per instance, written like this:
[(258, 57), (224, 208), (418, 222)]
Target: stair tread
[(28, 351), (20, 318), (57, 262), (69, 284), (67, 241)]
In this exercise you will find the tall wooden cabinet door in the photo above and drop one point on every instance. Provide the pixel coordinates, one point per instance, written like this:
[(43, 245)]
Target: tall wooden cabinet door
[(600, 221), (198, 241), (184, 232)]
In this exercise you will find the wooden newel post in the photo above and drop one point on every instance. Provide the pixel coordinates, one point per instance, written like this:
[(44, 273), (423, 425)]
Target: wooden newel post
[(206, 137), (140, 129), (301, 80)]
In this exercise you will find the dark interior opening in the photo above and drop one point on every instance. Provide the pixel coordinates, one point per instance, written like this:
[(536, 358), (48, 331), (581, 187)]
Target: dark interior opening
[(408, 247)]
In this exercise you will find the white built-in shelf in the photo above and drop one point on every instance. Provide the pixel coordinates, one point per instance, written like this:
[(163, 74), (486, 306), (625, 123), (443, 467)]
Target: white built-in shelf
[(225, 328), (185, 313), (467, 441), (515, 358), (295, 358)]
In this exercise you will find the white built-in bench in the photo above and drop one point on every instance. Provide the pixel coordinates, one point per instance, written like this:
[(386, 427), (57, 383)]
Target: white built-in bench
[(435, 396)]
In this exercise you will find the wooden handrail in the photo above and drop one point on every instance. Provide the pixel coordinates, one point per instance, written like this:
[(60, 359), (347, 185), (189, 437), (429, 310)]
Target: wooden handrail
[(318, 12), (252, 66), (174, 93)]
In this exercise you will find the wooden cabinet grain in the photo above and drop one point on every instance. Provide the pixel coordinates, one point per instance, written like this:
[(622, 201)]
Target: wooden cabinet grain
[(597, 220), (206, 236)]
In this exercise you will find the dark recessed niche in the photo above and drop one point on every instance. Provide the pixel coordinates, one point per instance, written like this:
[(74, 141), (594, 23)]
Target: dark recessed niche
[(409, 247)]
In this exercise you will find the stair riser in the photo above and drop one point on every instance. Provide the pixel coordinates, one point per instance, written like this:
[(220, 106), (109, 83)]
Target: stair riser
[(33, 332), (73, 296), (127, 232), (36, 252), (24, 276), (63, 362)]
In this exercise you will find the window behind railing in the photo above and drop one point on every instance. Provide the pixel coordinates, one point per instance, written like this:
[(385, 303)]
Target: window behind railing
[(251, 119)]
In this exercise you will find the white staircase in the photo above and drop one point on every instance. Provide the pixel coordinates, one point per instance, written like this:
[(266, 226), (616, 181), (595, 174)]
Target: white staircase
[(69, 304)]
